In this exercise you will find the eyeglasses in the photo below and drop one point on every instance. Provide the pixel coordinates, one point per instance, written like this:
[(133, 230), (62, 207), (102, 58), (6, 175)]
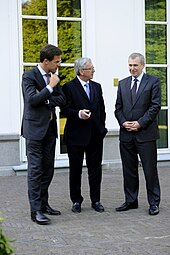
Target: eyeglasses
[(58, 62), (89, 69)]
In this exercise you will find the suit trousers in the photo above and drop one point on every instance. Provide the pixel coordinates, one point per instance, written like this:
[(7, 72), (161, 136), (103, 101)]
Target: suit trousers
[(148, 154), (40, 154), (93, 153)]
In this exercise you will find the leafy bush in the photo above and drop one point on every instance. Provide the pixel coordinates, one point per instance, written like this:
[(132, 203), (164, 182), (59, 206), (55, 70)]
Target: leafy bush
[(5, 246)]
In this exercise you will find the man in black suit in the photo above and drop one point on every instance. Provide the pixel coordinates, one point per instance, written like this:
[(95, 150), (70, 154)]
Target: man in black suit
[(136, 112), (84, 132), (41, 94)]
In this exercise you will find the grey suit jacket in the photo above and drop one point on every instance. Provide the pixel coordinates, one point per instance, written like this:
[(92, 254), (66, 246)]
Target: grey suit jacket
[(144, 110), (38, 105)]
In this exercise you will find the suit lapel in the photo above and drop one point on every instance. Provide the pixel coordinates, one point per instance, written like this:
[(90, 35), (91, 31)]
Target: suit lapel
[(142, 85), (39, 79), (128, 88), (92, 91), (81, 90)]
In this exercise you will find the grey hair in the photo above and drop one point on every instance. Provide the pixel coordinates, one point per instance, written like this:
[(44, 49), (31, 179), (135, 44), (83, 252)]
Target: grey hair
[(137, 55), (80, 64)]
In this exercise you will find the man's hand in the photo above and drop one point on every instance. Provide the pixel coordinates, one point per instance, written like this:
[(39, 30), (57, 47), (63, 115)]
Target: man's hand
[(54, 80), (131, 125), (84, 114)]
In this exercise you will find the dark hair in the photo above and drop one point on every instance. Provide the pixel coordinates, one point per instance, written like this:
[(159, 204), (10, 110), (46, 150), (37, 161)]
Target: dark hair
[(49, 51)]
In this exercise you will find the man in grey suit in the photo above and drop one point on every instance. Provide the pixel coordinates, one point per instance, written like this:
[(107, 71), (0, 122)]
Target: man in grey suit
[(137, 106), (41, 94)]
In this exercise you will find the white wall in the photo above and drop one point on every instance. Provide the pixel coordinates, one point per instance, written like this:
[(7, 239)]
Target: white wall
[(9, 66), (114, 30)]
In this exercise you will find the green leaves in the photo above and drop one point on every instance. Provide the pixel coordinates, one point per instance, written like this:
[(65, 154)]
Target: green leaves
[(5, 246)]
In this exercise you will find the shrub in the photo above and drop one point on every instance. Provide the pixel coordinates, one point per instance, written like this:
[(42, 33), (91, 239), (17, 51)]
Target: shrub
[(5, 243)]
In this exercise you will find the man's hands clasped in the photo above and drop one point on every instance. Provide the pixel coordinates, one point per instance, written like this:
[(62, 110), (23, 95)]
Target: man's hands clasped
[(131, 126)]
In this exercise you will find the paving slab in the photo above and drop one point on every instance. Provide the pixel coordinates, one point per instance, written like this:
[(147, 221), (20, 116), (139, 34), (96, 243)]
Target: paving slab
[(134, 232)]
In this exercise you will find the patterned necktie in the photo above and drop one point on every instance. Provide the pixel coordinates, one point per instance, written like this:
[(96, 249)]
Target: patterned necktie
[(47, 78), (133, 90), (47, 82), (87, 89)]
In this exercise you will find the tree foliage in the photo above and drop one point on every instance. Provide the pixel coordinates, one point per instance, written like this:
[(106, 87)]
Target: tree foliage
[(35, 33), (156, 42), (155, 10)]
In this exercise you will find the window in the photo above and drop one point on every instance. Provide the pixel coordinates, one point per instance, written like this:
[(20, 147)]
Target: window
[(57, 22), (156, 57)]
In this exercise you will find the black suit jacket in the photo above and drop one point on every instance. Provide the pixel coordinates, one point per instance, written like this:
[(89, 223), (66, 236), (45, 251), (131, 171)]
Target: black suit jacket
[(144, 110), (38, 105), (78, 131)]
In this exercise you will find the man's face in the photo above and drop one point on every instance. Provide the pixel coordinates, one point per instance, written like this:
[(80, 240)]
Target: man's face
[(87, 72), (54, 64), (135, 67)]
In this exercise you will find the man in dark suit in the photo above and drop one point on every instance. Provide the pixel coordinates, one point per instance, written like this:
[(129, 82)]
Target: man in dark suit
[(84, 132), (41, 95), (136, 112)]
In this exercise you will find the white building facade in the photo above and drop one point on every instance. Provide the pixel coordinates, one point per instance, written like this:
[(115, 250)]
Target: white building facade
[(108, 32)]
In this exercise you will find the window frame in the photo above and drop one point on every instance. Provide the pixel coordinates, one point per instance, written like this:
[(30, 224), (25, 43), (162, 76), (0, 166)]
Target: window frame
[(163, 153), (52, 20)]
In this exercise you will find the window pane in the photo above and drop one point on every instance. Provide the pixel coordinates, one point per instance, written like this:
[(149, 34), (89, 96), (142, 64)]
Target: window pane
[(69, 8), (63, 148), (162, 73), (66, 74), (155, 10), (69, 40), (163, 129), (34, 7), (156, 44), (25, 68), (35, 36)]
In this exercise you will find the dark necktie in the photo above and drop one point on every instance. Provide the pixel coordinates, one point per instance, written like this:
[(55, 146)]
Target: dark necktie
[(48, 77), (133, 90), (47, 101)]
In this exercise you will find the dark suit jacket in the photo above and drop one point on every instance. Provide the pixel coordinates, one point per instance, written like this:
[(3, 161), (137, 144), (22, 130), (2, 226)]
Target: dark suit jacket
[(37, 110), (144, 110), (78, 131)]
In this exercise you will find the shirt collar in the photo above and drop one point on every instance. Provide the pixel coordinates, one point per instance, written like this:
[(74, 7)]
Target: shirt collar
[(82, 82), (139, 77), (41, 70)]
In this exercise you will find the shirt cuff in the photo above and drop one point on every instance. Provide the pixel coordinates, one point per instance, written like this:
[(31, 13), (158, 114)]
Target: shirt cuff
[(80, 115), (49, 88)]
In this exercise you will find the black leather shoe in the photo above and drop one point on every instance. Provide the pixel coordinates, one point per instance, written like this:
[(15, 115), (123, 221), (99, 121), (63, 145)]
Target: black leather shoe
[(39, 218), (127, 206), (98, 207), (50, 211), (76, 208), (153, 210)]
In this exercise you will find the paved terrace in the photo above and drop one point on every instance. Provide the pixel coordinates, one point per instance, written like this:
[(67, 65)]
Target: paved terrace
[(89, 233)]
